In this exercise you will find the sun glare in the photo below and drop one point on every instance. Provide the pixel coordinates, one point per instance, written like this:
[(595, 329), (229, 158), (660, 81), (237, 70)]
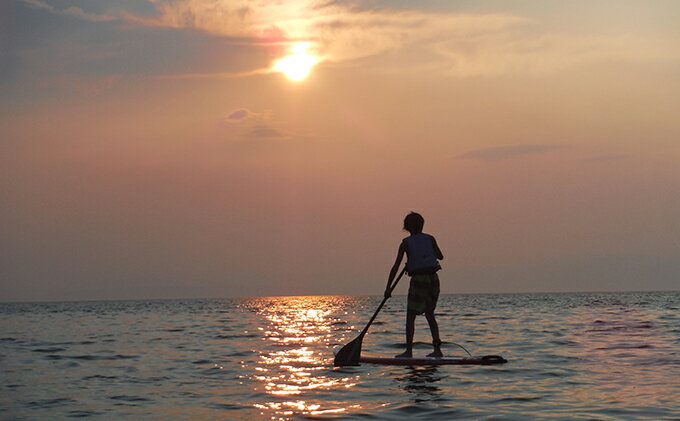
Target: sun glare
[(298, 64)]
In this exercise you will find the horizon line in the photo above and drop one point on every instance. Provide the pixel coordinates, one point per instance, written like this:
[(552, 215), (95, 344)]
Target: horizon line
[(95, 300)]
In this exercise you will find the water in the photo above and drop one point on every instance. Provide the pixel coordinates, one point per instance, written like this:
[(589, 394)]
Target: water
[(571, 356)]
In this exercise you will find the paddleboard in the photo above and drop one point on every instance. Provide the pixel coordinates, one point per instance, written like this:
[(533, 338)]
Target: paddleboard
[(483, 360)]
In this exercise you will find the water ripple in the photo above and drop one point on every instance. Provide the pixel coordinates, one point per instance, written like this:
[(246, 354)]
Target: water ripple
[(572, 356)]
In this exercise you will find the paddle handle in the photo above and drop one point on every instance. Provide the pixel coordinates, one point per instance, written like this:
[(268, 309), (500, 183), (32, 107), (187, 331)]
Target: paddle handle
[(394, 285)]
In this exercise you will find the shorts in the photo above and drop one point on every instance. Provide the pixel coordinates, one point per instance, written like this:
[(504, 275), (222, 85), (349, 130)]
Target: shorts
[(423, 293)]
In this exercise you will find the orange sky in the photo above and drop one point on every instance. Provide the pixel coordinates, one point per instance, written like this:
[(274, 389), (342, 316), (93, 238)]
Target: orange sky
[(148, 149)]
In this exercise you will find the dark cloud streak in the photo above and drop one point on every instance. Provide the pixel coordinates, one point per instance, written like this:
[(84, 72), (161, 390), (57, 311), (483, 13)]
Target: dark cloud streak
[(239, 115), (501, 153), (609, 157)]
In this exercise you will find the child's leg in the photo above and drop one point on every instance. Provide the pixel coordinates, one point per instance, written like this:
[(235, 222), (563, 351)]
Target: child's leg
[(410, 328), (434, 329)]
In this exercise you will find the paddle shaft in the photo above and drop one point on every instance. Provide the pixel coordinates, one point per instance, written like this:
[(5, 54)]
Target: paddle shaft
[(394, 285), (349, 354)]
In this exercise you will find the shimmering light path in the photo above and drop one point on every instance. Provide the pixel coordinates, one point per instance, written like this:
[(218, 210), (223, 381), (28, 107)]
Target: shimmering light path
[(292, 365)]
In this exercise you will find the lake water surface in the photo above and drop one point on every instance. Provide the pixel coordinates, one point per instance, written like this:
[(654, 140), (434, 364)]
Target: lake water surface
[(606, 356)]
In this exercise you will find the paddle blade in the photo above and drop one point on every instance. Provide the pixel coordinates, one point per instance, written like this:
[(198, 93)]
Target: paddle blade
[(349, 354)]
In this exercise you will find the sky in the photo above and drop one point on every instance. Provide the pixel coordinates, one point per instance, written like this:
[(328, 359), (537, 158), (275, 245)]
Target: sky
[(163, 149)]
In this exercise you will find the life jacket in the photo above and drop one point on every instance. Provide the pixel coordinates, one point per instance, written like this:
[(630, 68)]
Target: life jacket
[(421, 256)]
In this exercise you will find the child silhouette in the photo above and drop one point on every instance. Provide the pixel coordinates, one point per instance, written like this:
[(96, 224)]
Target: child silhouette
[(422, 256)]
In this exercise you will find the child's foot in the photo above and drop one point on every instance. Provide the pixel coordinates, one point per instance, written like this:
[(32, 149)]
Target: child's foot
[(437, 353), (406, 354), (437, 345)]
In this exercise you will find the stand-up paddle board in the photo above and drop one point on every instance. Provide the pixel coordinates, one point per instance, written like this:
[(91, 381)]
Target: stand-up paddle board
[(483, 360)]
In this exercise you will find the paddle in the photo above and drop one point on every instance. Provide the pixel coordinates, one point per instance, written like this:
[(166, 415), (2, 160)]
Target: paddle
[(349, 354)]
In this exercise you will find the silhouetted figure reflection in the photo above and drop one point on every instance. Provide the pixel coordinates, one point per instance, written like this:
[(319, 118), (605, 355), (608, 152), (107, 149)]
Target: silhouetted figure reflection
[(421, 381)]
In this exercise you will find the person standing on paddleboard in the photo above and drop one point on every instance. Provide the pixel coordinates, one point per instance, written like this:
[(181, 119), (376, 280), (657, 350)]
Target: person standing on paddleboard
[(422, 264)]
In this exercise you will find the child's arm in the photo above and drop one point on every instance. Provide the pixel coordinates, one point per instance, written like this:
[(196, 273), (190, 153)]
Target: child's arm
[(395, 268), (440, 256)]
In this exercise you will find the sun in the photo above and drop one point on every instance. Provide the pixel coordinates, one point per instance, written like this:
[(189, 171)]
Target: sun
[(298, 64)]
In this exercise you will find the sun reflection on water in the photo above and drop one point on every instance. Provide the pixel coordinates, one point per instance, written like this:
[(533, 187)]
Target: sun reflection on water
[(296, 359)]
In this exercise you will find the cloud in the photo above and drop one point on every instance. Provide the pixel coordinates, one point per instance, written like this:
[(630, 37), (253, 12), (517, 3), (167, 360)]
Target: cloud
[(454, 44), (265, 131), (72, 11), (339, 31), (609, 157), (507, 152), (240, 115), (248, 125), (523, 51), (457, 44), (262, 131)]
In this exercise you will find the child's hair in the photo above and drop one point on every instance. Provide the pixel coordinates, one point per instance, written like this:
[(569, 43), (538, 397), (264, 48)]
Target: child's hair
[(414, 222)]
